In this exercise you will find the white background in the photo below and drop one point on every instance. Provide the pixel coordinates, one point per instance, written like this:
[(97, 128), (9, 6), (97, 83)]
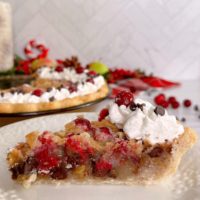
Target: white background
[(160, 36)]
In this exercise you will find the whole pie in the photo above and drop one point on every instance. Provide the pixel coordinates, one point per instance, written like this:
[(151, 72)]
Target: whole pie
[(54, 87), (133, 142)]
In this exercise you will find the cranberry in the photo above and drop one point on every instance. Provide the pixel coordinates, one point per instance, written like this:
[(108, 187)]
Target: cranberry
[(164, 104), (79, 70), (72, 88), (82, 150), (171, 99), (124, 98), (187, 103), (103, 114), (159, 99), (46, 158), (90, 80), (37, 92), (103, 134), (156, 152), (175, 104), (83, 124), (102, 168), (59, 69), (92, 73)]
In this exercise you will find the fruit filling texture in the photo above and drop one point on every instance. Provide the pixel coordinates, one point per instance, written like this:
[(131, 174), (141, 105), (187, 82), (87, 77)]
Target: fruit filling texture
[(97, 149)]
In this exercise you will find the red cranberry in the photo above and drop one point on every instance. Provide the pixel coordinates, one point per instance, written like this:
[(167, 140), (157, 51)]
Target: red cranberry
[(37, 92), (103, 134), (72, 88), (171, 99), (79, 70), (59, 69), (90, 80), (175, 104), (103, 114), (124, 98), (159, 99), (102, 168), (164, 104), (187, 103), (45, 157), (92, 73), (83, 124)]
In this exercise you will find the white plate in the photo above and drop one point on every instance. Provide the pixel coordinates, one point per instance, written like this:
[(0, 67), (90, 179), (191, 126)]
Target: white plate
[(185, 185)]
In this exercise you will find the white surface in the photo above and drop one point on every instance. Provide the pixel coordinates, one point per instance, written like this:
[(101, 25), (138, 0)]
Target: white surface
[(161, 36), (183, 186)]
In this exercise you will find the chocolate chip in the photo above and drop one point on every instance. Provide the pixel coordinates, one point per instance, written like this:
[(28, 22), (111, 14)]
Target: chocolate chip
[(183, 119), (2, 94), (59, 173), (196, 108), (12, 91), (51, 98), (17, 170), (30, 164), (20, 91), (60, 87), (156, 152), (159, 110), (49, 89), (133, 106)]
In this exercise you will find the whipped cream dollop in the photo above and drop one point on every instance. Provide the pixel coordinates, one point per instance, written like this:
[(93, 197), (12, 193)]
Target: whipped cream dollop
[(144, 123), (69, 74)]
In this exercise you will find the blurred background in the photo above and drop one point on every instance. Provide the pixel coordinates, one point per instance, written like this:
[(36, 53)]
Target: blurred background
[(159, 36)]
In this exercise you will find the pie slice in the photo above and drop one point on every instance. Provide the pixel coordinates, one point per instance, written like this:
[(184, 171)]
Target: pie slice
[(54, 87), (132, 143)]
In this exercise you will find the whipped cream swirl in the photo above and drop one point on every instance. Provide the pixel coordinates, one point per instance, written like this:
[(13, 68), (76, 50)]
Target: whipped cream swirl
[(144, 123), (69, 74)]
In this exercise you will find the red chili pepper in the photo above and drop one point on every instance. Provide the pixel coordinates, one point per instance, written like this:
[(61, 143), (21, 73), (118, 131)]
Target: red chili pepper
[(154, 81)]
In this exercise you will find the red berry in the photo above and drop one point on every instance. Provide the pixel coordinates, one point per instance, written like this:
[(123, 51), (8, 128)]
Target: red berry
[(46, 158), (79, 70), (103, 134), (171, 99), (164, 104), (83, 124), (92, 73), (175, 104), (72, 88), (90, 80), (187, 103), (103, 114), (59, 69), (37, 92), (102, 168), (124, 98), (159, 99)]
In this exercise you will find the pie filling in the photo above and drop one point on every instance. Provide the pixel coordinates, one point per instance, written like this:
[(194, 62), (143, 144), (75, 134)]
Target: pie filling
[(85, 149), (104, 149)]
